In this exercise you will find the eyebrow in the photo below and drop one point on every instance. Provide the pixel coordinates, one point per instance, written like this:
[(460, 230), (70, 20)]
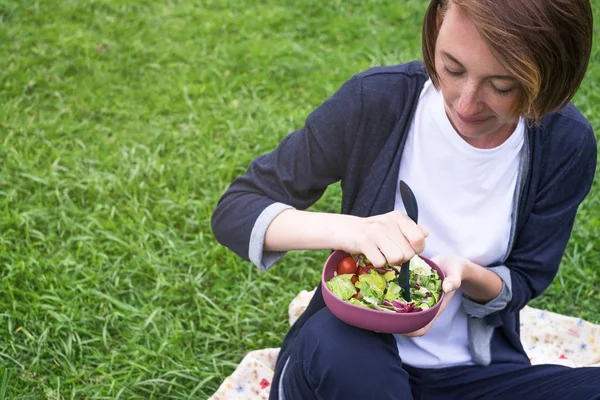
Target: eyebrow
[(454, 60)]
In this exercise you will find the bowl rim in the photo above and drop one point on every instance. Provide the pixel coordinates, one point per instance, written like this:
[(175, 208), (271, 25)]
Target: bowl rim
[(415, 313)]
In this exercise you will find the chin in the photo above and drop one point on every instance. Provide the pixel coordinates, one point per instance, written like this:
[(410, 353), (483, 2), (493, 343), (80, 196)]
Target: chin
[(471, 131)]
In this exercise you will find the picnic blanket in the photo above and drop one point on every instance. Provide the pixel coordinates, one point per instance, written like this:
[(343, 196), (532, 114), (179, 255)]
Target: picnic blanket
[(548, 338)]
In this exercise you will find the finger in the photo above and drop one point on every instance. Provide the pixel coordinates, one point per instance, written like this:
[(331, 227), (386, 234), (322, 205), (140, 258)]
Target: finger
[(418, 333), (450, 284), (423, 330), (407, 250), (413, 233), (395, 251), (405, 246), (424, 230), (374, 255)]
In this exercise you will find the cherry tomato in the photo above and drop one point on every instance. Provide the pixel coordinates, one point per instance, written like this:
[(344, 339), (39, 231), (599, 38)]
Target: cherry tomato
[(347, 266), (354, 279), (364, 270)]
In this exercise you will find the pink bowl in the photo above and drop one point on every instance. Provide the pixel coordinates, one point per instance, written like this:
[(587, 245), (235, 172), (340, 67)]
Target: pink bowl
[(374, 320)]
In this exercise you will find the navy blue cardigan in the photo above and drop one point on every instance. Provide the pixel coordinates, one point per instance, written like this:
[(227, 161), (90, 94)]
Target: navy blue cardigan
[(357, 137)]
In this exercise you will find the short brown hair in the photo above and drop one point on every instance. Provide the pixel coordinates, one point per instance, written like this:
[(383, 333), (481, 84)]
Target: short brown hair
[(545, 44)]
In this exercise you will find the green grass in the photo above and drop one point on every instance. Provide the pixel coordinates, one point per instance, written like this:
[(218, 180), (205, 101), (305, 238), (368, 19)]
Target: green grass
[(121, 123)]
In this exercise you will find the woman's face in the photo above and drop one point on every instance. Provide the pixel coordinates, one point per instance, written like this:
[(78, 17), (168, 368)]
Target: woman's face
[(479, 94)]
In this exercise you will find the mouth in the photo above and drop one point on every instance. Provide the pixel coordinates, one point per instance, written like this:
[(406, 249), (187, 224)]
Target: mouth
[(472, 121)]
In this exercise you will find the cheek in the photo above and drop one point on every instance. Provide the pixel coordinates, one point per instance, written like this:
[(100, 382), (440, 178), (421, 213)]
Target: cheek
[(503, 107)]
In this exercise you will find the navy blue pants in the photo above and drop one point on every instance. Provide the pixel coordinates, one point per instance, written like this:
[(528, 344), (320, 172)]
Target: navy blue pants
[(331, 360)]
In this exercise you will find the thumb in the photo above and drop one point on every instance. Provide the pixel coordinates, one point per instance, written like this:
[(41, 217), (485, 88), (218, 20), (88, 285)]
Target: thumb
[(424, 230), (450, 284)]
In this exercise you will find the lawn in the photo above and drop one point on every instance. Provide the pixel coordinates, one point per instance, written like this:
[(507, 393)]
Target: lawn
[(121, 123)]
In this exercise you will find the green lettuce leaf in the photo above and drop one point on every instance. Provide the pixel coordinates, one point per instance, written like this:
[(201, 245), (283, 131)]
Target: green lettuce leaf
[(373, 278), (393, 292), (360, 303), (342, 286)]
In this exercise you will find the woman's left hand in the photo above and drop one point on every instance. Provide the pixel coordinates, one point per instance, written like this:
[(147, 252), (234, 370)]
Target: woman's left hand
[(454, 267), (478, 283)]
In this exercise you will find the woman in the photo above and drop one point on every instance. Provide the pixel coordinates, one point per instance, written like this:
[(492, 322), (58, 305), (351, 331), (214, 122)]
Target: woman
[(499, 161)]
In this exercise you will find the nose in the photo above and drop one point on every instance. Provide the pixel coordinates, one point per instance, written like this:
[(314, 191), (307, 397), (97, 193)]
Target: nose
[(469, 103)]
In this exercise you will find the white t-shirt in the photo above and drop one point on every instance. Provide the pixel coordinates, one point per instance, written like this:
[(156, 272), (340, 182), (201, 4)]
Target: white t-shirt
[(465, 199)]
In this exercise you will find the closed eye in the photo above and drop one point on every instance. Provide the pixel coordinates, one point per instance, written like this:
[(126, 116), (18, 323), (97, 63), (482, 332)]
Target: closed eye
[(451, 72), (502, 92)]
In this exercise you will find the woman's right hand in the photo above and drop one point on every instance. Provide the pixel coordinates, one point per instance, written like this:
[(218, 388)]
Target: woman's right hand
[(393, 238)]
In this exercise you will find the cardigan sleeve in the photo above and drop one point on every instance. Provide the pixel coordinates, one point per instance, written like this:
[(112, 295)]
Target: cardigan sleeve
[(541, 242), (295, 174)]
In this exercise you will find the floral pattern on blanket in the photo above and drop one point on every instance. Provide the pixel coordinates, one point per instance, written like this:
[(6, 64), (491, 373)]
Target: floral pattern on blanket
[(548, 338)]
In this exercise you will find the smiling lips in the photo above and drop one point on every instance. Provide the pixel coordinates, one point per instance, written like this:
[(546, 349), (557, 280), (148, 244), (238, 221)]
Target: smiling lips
[(471, 121)]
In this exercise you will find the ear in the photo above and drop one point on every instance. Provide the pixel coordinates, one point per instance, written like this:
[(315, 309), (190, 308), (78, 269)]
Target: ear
[(438, 16)]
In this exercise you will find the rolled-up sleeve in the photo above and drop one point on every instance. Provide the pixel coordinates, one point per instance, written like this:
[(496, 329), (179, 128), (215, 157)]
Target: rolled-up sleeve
[(258, 256), (482, 310)]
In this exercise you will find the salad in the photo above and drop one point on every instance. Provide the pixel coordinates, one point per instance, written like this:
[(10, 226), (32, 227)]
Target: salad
[(356, 281)]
